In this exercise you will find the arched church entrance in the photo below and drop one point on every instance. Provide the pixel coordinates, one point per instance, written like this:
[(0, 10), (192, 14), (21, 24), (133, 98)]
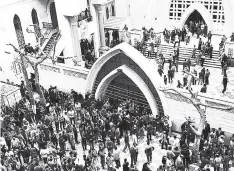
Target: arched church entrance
[(196, 13), (123, 73), (53, 15), (124, 84), (195, 17)]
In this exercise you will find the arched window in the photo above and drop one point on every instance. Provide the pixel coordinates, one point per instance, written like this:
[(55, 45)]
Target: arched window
[(53, 15), (19, 31), (107, 13), (113, 10), (36, 24)]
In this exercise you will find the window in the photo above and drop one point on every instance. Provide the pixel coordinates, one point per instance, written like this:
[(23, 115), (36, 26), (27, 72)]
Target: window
[(36, 24), (113, 10), (19, 31), (107, 12)]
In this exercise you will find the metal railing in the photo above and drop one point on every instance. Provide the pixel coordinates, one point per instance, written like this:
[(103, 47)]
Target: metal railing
[(47, 25)]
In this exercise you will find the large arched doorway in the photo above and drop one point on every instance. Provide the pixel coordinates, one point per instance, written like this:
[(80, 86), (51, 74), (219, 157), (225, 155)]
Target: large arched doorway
[(124, 59), (53, 15), (197, 11), (36, 24), (19, 31)]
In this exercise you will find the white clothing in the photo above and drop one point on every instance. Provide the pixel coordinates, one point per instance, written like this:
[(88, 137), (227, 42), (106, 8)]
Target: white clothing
[(44, 153), (116, 155)]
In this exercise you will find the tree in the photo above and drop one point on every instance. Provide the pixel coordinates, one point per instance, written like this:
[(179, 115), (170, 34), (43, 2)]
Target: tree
[(41, 57), (198, 105), (21, 60)]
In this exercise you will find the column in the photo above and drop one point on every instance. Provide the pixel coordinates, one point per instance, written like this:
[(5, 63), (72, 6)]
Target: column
[(110, 38), (100, 12), (76, 39)]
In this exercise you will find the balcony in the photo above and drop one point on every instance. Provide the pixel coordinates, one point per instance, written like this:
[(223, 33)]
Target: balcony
[(85, 15)]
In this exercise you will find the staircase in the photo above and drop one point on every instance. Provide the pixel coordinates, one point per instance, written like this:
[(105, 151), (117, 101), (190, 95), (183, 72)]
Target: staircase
[(51, 43), (116, 91), (168, 49)]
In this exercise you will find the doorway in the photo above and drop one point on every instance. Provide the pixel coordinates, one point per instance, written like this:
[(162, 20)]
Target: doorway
[(195, 17), (53, 15)]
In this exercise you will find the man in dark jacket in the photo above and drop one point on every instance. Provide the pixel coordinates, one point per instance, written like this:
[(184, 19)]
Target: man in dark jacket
[(148, 151)]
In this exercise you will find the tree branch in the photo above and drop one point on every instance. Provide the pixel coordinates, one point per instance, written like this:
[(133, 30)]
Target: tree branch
[(15, 49), (41, 60), (172, 89), (215, 107), (29, 61)]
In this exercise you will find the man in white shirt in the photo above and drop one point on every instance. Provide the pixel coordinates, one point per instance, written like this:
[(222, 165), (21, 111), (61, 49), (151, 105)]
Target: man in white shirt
[(116, 157)]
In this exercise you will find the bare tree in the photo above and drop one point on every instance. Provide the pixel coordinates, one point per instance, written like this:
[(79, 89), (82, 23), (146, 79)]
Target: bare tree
[(25, 74), (41, 57), (202, 112)]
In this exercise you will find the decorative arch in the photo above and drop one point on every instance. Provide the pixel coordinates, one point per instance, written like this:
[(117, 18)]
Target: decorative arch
[(124, 69), (36, 24), (19, 31), (202, 10), (149, 69)]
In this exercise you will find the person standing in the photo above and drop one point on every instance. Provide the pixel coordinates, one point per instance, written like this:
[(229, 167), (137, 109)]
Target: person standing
[(125, 165), (202, 60), (170, 75), (225, 81), (102, 153), (209, 36), (148, 151), (177, 58), (199, 44), (170, 59), (194, 52), (211, 51), (116, 157), (126, 140), (133, 154), (207, 75)]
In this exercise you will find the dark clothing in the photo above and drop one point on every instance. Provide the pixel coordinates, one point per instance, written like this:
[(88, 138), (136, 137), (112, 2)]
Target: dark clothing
[(225, 80)]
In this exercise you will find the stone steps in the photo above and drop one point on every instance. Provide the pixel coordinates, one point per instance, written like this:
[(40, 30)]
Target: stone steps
[(168, 49)]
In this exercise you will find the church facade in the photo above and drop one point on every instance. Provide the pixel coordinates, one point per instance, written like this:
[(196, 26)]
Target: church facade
[(160, 14)]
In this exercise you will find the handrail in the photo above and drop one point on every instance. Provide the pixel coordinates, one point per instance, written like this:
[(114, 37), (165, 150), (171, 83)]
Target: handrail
[(47, 25)]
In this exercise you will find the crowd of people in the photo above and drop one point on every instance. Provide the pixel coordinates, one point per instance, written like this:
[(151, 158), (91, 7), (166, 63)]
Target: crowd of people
[(88, 52), (52, 139)]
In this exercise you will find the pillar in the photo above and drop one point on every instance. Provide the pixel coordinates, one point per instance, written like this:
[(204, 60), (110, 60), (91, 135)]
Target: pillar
[(76, 39), (100, 9)]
